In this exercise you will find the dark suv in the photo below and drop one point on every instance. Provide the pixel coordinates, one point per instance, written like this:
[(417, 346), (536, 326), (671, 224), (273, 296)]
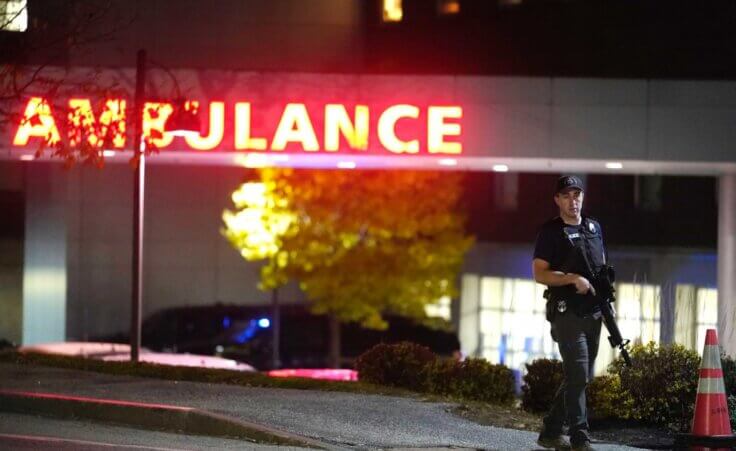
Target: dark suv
[(245, 334)]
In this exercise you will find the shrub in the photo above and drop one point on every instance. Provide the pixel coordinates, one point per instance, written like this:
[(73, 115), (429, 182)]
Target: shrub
[(729, 380), (398, 365), (732, 410), (661, 384), (475, 379), (543, 378), (728, 364), (485, 381), (606, 399), (441, 375)]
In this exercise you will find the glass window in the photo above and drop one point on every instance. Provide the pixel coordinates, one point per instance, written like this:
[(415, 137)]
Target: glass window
[(648, 192), (510, 325), (696, 311), (392, 11), (637, 316), (707, 313), (13, 15), (448, 7), (685, 316), (513, 328), (509, 3), (506, 191), (637, 307), (439, 310)]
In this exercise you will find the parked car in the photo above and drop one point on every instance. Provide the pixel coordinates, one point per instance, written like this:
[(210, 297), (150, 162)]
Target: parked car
[(245, 334), (6, 344)]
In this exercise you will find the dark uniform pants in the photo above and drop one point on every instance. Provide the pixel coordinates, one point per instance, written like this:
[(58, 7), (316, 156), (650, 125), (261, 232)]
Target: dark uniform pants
[(578, 339)]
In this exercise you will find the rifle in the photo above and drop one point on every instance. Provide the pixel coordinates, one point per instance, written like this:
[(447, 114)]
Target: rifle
[(604, 291)]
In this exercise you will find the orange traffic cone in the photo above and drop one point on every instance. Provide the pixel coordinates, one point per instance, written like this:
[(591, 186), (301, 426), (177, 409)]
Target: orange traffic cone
[(711, 426), (711, 408)]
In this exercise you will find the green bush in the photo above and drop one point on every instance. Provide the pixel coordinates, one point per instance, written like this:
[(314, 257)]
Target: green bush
[(441, 376), (732, 411), (729, 380), (661, 384), (475, 379), (606, 399), (728, 364), (397, 365), (484, 381), (415, 367), (543, 378)]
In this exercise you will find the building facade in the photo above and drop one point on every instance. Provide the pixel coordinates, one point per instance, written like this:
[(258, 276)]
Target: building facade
[(68, 272)]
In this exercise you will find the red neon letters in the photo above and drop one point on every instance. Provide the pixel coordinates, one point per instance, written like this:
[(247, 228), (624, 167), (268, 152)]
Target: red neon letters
[(399, 128)]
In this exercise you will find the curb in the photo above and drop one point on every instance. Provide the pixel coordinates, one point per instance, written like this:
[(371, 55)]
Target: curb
[(149, 416)]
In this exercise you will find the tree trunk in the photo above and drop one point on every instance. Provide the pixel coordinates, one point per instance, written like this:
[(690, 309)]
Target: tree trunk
[(275, 330), (334, 354)]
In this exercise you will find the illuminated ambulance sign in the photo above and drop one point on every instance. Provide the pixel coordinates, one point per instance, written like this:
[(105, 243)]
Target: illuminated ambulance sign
[(240, 126)]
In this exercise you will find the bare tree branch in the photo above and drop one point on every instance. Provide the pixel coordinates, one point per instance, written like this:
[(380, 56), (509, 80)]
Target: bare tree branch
[(88, 24)]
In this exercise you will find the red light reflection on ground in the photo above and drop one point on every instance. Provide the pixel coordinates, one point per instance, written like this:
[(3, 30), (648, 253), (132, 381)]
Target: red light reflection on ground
[(325, 374), (72, 398)]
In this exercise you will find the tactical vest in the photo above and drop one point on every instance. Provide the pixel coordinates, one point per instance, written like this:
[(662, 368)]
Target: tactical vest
[(584, 239)]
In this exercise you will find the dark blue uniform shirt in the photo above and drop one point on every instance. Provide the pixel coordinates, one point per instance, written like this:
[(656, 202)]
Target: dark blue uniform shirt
[(563, 246)]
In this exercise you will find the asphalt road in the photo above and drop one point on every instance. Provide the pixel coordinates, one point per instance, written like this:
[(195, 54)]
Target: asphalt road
[(343, 419)]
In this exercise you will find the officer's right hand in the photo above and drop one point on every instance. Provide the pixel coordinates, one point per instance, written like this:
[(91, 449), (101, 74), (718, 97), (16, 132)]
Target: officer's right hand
[(583, 286)]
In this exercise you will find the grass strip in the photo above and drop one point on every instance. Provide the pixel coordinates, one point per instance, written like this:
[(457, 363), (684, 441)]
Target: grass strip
[(194, 374)]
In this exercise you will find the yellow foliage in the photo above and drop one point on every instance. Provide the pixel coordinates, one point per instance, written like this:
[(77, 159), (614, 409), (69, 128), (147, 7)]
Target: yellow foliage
[(360, 243)]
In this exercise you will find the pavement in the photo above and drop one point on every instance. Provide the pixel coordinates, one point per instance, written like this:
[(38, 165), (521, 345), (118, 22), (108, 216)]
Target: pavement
[(284, 417), (29, 432)]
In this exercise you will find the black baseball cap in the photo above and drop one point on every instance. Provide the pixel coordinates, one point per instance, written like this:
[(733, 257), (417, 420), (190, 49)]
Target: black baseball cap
[(568, 182)]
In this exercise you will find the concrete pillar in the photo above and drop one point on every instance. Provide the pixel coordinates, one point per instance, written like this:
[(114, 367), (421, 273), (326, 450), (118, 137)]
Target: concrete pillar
[(44, 263), (727, 262), (469, 330)]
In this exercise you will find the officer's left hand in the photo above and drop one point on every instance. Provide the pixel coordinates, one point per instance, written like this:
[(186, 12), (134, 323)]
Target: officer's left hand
[(583, 286)]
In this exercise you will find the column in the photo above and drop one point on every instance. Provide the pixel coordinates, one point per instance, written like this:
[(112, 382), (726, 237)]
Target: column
[(726, 261), (469, 325), (44, 265)]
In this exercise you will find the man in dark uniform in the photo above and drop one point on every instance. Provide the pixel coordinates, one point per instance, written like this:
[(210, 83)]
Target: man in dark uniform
[(568, 250)]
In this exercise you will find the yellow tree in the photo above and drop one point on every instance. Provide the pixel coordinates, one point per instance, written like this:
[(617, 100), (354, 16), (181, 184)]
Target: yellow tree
[(360, 243)]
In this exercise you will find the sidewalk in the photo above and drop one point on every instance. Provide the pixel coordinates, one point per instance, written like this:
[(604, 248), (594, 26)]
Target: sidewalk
[(299, 417)]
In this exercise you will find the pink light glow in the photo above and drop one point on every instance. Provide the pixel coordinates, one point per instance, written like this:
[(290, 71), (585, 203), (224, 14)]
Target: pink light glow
[(121, 353), (324, 374)]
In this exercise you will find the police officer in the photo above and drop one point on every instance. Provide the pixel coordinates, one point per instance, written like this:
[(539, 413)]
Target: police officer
[(568, 250)]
